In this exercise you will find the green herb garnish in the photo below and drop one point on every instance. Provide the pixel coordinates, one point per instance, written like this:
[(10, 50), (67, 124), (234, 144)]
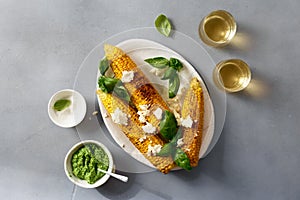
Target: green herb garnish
[(113, 85), (158, 62), (170, 148), (121, 92), (107, 84), (163, 25), (168, 126), (103, 66), (166, 150), (169, 73), (174, 84), (174, 66), (179, 156), (182, 160), (61, 104), (176, 137)]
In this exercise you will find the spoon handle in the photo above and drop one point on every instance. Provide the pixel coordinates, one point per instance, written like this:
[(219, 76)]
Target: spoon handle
[(117, 176)]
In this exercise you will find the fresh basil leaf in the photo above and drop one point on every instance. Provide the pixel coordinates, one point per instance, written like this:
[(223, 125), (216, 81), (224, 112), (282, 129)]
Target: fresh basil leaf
[(107, 84), (61, 104), (182, 160), (174, 84), (158, 62), (176, 64), (168, 126), (121, 92), (103, 66), (170, 148), (113, 85), (166, 150), (163, 25), (169, 74), (176, 137)]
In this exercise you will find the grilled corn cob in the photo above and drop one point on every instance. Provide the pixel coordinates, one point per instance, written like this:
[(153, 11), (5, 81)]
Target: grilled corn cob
[(193, 107), (140, 89), (134, 132)]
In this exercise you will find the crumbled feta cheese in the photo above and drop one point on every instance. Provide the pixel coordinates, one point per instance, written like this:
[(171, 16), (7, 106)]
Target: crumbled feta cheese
[(143, 113), (158, 113), (180, 142), (127, 76), (149, 128), (143, 138), (187, 122), (153, 150), (142, 117), (144, 107), (119, 117)]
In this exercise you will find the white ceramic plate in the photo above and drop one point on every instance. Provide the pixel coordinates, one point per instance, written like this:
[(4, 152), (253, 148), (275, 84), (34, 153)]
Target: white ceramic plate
[(139, 50)]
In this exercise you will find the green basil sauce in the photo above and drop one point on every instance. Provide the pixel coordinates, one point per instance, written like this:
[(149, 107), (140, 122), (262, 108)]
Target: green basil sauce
[(86, 160)]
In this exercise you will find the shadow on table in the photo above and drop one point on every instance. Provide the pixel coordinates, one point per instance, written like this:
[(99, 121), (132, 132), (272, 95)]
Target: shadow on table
[(117, 190), (211, 165), (259, 88), (243, 41)]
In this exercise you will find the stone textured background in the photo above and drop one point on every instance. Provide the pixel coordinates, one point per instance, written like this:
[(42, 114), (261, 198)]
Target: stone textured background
[(42, 44)]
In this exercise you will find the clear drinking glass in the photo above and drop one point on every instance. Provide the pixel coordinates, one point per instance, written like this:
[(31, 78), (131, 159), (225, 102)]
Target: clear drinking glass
[(218, 28), (232, 75)]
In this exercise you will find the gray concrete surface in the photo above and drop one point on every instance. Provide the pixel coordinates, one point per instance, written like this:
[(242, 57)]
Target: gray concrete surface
[(42, 44)]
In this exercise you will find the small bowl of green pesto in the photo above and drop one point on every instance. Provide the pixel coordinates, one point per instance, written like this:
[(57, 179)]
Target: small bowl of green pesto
[(83, 161)]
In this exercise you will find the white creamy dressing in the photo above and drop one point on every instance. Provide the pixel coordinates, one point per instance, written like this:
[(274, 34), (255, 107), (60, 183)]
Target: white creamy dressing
[(66, 116)]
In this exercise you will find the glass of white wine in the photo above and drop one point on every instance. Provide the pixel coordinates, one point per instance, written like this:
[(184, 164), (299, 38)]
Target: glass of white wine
[(218, 28), (232, 75)]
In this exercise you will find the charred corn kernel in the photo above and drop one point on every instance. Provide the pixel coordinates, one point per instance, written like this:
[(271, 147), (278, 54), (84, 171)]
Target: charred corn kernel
[(141, 90), (193, 106), (134, 132)]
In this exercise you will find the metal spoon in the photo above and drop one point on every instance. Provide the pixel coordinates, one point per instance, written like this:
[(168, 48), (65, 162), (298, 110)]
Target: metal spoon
[(117, 176)]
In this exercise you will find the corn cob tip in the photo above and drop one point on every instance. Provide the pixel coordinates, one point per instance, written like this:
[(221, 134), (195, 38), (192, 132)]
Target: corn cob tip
[(112, 52), (195, 83)]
